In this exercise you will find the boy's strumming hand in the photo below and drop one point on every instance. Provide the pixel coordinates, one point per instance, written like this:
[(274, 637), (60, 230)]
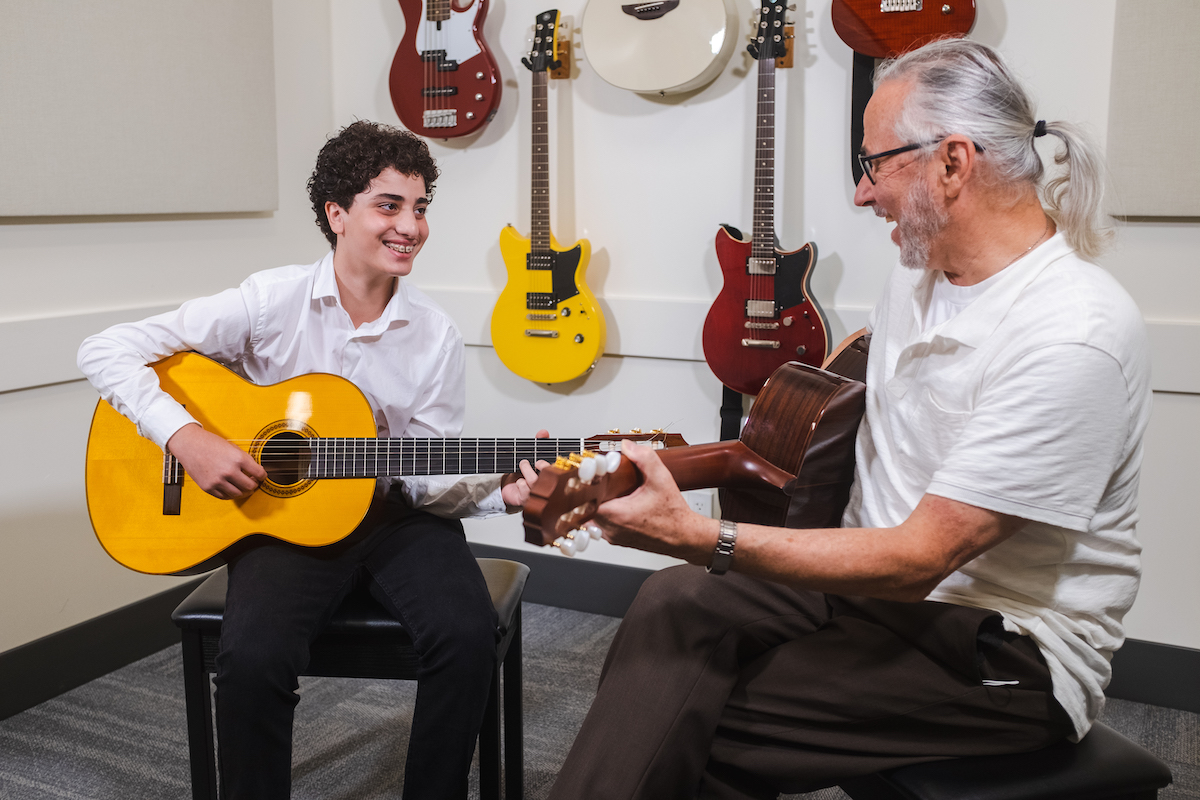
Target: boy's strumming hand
[(222, 469)]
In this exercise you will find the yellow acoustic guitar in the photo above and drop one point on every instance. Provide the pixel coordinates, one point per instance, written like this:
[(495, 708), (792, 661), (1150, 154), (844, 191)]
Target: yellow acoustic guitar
[(152, 518), (546, 326)]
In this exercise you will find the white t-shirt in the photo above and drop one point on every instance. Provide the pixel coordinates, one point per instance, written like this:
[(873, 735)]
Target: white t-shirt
[(1031, 401), (289, 321)]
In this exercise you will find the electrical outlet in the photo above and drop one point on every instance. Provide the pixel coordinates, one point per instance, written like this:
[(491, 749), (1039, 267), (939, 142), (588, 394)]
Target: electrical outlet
[(700, 500)]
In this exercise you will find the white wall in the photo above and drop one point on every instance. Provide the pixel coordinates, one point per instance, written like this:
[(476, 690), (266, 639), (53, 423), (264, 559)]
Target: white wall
[(647, 181)]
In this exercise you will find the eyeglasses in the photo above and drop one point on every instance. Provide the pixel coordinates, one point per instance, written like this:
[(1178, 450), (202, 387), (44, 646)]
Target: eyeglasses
[(866, 161)]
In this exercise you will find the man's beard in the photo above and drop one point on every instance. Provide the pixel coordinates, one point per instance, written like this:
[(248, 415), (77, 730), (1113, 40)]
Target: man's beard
[(919, 225)]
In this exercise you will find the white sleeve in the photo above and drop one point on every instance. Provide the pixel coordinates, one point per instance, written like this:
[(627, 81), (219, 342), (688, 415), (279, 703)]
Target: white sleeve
[(441, 415), (115, 360), (1043, 440)]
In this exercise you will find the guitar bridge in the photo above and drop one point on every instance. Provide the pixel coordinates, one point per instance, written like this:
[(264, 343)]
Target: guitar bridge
[(441, 118), (762, 326), (172, 485), (541, 317), (899, 5), (541, 334)]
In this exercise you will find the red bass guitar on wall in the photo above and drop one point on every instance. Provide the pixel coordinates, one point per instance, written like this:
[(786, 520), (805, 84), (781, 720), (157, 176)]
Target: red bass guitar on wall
[(764, 315), (444, 81)]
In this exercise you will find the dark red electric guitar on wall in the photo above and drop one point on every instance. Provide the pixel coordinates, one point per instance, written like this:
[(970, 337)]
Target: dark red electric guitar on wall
[(444, 81), (765, 315)]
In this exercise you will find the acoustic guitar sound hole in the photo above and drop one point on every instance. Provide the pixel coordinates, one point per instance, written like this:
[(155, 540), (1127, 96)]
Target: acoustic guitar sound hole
[(285, 457)]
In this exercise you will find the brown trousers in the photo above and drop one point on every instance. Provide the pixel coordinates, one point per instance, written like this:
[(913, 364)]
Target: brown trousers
[(732, 687)]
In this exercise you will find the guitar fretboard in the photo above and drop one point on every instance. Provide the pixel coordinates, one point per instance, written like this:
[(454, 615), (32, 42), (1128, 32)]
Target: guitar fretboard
[(539, 193), (372, 458), (763, 245)]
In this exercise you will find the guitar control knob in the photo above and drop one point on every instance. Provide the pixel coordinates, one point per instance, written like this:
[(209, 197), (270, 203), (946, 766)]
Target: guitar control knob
[(946, 9), (801, 350), (579, 338), (470, 115), (478, 76), (479, 98), (566, 312)]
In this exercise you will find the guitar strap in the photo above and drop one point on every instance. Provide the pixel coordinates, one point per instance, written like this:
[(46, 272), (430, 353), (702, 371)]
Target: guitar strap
[(861, 90), (731, 414)]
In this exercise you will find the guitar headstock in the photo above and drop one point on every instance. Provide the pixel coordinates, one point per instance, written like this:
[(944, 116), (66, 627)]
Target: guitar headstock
[(658, 439), (545, 43), (566, 495), (768, 39)]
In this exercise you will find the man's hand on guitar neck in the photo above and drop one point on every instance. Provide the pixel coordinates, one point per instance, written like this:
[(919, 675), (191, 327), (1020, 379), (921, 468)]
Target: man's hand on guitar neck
[(222, 469)]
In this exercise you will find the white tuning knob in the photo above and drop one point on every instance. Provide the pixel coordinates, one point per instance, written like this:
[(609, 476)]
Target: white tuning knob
[(587, 469), (567, 546), (593, 530), (581, 541), (613, 457)]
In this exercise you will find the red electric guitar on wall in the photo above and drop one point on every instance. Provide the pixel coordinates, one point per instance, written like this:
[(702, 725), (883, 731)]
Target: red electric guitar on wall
[(444, 81), (764, 315)]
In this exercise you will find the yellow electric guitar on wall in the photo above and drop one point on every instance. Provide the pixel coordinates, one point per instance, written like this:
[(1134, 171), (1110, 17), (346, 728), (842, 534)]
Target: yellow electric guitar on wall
[(546, 326), (314, 434)]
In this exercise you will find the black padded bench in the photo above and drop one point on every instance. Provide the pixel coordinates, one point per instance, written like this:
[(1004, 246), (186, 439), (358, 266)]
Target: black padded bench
[(363, 641)]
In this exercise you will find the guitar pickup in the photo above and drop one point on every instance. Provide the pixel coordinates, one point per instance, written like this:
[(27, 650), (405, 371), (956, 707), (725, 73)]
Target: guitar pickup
[(539, 301), (441, 118), (438, 57), (760, 266), (761, 344), (439, 91), (544, 334), (761, 309)]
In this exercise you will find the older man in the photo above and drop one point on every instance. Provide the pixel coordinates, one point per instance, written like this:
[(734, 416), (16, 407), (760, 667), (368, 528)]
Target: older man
[(972, 599)]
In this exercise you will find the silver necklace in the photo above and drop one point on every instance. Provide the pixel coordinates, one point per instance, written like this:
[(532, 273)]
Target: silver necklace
[(1038, 241)]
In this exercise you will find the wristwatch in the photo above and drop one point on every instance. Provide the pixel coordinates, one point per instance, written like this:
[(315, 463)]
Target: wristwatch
[(723, 555)]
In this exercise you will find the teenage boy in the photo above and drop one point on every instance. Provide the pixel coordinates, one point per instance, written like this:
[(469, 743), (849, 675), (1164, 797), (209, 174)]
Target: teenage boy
[(353, 315)]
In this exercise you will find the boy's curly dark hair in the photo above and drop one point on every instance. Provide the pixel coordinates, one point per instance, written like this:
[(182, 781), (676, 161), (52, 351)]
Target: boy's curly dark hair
[(361, 151)]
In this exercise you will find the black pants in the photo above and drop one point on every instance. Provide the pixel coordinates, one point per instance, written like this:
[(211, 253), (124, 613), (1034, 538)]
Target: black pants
[(731, 687), (421, 570)]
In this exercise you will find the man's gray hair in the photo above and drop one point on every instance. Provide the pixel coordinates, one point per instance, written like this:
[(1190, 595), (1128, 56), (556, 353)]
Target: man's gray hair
[(960, 86)]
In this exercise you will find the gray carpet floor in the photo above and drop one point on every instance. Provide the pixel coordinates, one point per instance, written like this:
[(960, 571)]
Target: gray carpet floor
[(123, 736)]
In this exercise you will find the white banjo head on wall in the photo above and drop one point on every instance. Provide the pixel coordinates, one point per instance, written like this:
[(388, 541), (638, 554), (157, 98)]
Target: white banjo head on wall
[(659, 46)]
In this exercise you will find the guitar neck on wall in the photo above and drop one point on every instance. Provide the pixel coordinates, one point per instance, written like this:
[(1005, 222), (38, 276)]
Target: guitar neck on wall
[(547, 325), (765, 314), (153, 518), (444, 81)]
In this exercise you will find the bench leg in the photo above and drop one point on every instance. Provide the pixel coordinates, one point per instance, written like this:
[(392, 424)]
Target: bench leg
[(514, 730), (196, 691), (489, 743)]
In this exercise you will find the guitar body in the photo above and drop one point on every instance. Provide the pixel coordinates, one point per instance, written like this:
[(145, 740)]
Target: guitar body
[(663, 47), (805, 421), (793, 466), (796, 323), (124, 473), (444, 81), (886, 28), (547, 325)]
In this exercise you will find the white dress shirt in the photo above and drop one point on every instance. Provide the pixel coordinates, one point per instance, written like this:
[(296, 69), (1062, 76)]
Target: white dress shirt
[(1030, 401), (289, 321)]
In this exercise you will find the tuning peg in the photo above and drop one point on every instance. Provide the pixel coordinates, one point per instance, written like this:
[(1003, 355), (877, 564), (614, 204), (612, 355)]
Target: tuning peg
[(593, 530), (581, 540), (587, 469), (601, 463), (565, 545), (613, 457), (635, 431)]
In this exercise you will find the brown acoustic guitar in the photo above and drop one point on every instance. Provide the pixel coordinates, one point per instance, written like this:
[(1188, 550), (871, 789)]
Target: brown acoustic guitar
[(316, 437), (793, 465)]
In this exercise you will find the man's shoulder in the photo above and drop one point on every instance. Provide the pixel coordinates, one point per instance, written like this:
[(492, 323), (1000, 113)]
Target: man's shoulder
[(283, 276)]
